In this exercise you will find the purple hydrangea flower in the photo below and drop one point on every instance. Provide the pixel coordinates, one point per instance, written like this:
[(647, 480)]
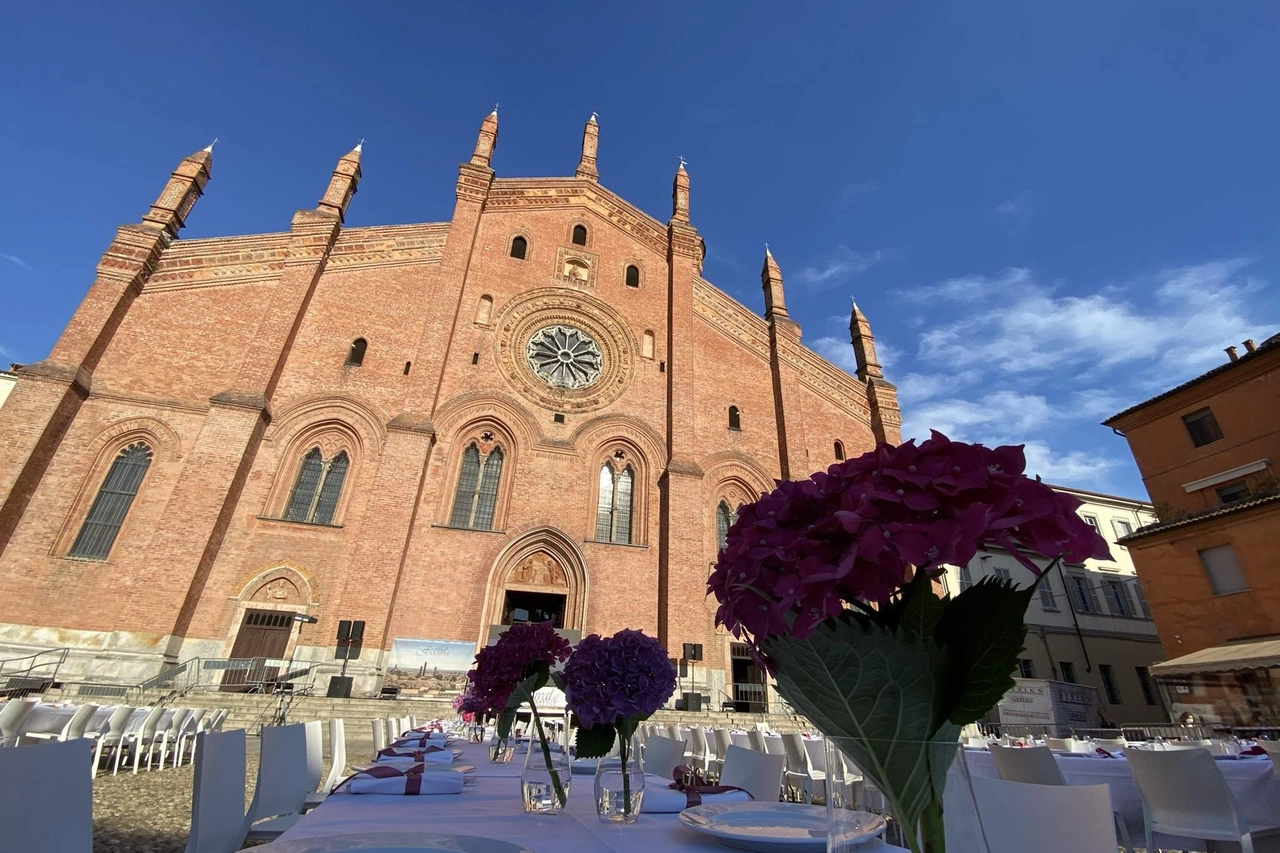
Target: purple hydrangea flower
[(611, 679), (515, 656)]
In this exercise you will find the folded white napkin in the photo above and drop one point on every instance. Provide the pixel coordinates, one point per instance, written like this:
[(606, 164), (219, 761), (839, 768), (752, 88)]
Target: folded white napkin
[(420, 739), (373, 781), (660, 798), (409, 756)]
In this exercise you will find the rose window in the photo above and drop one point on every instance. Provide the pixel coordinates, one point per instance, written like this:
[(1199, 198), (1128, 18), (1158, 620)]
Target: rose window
[(564, 357)]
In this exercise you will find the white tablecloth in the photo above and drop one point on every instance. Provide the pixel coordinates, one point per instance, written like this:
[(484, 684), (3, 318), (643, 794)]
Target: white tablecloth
[(51, 719), (491, 808), (1252, 780)]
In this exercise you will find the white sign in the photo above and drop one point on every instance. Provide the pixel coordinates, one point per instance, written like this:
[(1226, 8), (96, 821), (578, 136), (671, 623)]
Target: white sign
[(444, 655), (1028, 702)]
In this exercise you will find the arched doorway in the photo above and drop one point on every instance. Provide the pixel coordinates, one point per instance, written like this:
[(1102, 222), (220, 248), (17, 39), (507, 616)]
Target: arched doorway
[(540, 576)]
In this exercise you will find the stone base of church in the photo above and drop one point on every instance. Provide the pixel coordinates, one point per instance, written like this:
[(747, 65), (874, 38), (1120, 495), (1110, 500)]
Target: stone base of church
[(101, 657)]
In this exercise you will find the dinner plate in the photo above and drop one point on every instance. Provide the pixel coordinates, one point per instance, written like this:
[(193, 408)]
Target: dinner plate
[(769, 827), (386, 842)]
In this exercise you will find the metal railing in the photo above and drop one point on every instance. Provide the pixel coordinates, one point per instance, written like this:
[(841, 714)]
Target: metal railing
[(753, 696), (33, 673), (237, 675)]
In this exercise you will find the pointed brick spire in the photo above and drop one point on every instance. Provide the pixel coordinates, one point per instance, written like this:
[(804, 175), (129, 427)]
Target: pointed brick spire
[(864, 345), (185, 186), (680, 195), (590, 141), (775, 303), (487, 140), (342, 186)]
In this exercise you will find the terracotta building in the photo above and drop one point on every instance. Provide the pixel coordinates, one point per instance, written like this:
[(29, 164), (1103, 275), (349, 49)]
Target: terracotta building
[(1207, 450), (538, 409)]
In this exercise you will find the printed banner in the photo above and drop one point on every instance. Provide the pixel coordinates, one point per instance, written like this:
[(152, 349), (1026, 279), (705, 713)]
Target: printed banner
[(428, 655)]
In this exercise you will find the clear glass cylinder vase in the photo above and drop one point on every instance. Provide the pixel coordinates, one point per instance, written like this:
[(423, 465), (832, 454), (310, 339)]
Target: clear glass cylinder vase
[(501, 749), (861, 804), (619, 785), (544, 783)]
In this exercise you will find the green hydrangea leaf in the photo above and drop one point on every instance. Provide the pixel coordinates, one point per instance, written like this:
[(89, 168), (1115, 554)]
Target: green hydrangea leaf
[(594, 743)]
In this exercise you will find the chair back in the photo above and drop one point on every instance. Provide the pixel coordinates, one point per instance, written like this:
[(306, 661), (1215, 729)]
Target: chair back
[(379, 736), (722, 741), (12, 716), (119, 721), (663, 755), (195, 722), (816, 749), (797, 758), (1032, 765), (337, 752), (1018, 817), (1171, 745), (315, 753), (673, 732), (773, 744), (740, 740), (282, 774), (176, 724), (698, 742), (393, 730), (79, 722), (1272, 749), (1058, 744), (217, 795), (46, 798), (148, 727), (756, 739), (219, 717), (1184, 789), (406, 724), (1111, 744), (758, 773)]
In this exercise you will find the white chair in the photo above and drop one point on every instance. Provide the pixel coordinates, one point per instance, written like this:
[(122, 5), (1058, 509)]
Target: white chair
[(816, 750), (1171, 745), (12, 716), (662, 755), (1184, 793), (1111, 744), (698, 748), (755, 737), (740, 740), (168, 732), (283, 782), (315, 764), (217, 795), (406, 724), (191, 726), (773, 745), (113, 737), (1058, 744), (393, 730), (797, 765), (219, 717), (758, 773), (46, 804), (721, 743), (144, 736), (1017, 817), (337, 756), (1272, 749), (379, 736), (73, 729)]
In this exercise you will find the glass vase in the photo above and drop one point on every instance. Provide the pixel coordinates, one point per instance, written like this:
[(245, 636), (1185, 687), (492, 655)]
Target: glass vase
[(544, 784), (619, 785), (857, 801), (501, 749)]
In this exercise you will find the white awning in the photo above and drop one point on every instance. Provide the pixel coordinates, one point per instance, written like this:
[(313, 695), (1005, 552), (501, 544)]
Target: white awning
[(1223, 659)]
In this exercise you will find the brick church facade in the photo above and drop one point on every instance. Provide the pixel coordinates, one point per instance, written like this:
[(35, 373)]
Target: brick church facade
[(538, 408)]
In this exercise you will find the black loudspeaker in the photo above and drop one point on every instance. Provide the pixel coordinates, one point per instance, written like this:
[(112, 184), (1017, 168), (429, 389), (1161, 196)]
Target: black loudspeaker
[(350, 637), (693, 701), (682, 669), (344, 631), (339, 687), (357, 631), (693, 651)]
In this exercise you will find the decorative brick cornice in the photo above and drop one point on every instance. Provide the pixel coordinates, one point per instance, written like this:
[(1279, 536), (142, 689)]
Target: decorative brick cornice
[(474, 183), (730, 318), (684, 241), (534, 193)]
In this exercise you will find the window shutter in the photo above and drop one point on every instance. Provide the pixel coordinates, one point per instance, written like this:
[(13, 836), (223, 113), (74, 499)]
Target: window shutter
[(966, 579), (111, 505), (1073, 593), (331, 489), (1223, 569), (1092, 592), (604, 505), (622, 508), (468, 478), (488, 490), (1047, 600), (304, 488), (1142, 599)]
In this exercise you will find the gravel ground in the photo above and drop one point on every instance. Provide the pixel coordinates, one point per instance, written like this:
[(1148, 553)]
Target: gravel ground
[(151, 812)]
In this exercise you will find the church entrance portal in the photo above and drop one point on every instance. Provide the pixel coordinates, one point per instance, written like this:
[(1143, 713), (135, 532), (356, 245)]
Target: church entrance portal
[(539, 577), (263, 637), (533, 607)]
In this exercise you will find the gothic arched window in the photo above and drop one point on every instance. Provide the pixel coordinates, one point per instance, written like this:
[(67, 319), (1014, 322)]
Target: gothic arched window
[(111, 505), (725, 518), (735, 418), (315, 494), (477, 492), (355, 357), (579, 235), (519, 246), (839, 448), (613, 508), (633, 276)]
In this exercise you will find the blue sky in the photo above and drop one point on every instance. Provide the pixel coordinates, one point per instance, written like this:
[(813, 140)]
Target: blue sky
[(1048, 211)]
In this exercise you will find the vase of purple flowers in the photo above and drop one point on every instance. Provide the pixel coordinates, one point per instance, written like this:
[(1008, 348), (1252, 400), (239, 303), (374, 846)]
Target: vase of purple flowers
[(830, 581), (612, 685)]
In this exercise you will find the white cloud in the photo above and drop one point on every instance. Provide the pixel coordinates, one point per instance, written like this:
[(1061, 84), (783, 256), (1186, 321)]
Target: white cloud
[(843, 264), (1015, 214), (838, 351), (14, 259), (1079, 468), (969, 288), (999, 417), (917, 387)]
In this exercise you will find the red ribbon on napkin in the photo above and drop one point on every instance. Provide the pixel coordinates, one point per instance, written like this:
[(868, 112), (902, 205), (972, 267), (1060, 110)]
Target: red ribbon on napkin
[(1103, 752), (1253, 750), (412, 782), (410, 740), (415, 754), (691, 781)]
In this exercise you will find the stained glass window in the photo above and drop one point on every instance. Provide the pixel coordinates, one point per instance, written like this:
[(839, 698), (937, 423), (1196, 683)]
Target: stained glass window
[(111, 505)]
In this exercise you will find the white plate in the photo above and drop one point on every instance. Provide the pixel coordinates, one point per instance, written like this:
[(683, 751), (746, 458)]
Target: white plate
[(768, 827), (385, 842)]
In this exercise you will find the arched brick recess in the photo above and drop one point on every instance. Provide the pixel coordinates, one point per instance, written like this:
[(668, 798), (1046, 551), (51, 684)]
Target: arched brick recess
[(513, 555)]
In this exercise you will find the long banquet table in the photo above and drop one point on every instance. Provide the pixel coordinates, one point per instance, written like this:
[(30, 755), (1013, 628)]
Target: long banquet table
[(490, 807), (47, 718)]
